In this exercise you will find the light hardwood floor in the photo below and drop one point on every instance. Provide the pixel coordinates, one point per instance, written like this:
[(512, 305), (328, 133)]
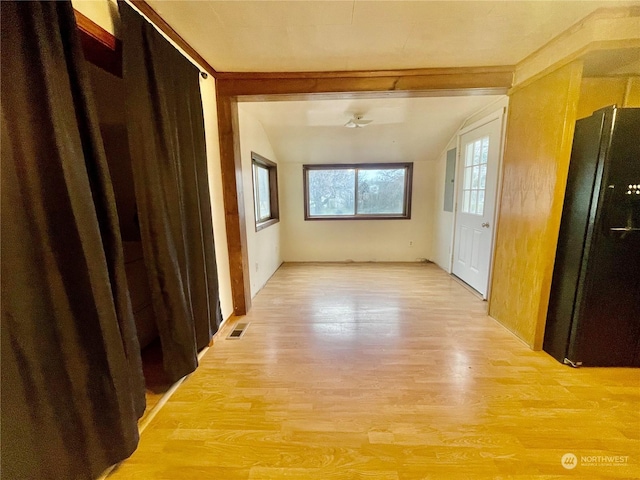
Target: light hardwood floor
[(374, 371)]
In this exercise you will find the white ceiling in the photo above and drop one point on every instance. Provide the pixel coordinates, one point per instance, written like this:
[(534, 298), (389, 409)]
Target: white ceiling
[(402, 130), (325, 35)]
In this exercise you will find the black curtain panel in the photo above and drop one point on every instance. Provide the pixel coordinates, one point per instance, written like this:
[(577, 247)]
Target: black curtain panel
[(72, 384), (167, 143)]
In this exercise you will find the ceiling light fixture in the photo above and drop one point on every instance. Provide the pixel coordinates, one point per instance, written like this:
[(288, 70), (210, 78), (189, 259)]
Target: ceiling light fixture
[(357, 122)]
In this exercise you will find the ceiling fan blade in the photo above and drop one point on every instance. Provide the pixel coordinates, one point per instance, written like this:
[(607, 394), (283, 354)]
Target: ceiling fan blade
[(362, 122)]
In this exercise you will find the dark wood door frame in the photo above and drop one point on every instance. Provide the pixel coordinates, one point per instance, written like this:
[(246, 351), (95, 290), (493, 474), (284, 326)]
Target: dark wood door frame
[(106, 51), (232, 88)]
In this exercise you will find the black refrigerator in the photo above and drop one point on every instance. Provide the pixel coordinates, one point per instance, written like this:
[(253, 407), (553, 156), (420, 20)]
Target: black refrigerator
[(594, 306)]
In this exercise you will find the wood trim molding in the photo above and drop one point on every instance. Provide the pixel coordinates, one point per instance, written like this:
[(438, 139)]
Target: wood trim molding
[(233, 195), (99, 46), (601, 13), (89, 27), (603, 29), (582, 54), (369, 94), (467, 80), (168, 30), (418, 72)]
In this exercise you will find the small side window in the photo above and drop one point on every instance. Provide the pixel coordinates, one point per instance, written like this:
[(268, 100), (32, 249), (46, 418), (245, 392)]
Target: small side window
[(265, 191)]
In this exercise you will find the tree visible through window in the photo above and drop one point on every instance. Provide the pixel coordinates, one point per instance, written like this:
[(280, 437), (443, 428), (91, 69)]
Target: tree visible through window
[(265, 191), (372, 191)]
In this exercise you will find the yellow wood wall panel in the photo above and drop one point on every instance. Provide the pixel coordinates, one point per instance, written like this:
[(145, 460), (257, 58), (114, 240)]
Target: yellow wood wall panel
[(536, 160), (599, 92), (633, 93)]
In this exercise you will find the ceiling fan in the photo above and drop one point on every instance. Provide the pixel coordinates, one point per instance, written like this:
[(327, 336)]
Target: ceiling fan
[(357, 122)]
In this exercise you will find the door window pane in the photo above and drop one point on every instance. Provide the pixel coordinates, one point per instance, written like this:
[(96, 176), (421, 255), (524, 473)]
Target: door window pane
[(476, 153), (469, 156), (485, 150), (467, 180), (483, 176), (475, 176)]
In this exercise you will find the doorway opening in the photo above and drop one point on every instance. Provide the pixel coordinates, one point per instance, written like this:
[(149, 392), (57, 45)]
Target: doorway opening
[(478, 172), (110, 105), (309, 131)]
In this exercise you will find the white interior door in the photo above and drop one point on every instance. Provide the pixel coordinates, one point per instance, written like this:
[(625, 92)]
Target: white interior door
[(476, 199)]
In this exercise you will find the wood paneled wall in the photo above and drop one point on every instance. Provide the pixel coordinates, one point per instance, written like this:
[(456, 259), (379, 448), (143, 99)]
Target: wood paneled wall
[(599, 92), (633, 93), (536, 161)]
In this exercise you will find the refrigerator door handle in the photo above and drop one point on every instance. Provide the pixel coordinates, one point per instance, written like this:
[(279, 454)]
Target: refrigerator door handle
[(606, 210)]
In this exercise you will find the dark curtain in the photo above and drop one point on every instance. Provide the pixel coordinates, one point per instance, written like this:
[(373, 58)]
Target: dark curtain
[(167, 143), (72, 384)]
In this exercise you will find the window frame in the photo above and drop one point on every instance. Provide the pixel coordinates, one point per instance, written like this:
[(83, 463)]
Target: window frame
[(408, 187), (272, 167)]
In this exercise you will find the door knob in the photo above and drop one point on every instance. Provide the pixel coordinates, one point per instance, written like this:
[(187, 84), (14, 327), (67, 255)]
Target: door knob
[(485, 225)]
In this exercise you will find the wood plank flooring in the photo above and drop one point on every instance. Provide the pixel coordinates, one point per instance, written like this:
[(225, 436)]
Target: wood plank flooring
[(386, 372), (156, 381)]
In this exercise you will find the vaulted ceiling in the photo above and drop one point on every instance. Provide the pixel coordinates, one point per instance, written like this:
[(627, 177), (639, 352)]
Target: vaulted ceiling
[(401, 129), (325, 35)]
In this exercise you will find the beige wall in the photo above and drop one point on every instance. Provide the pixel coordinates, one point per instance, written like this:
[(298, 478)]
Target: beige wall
[(104, 14), (210, 111), (539, 135), (263, 247), (357, 240), (442, 232)]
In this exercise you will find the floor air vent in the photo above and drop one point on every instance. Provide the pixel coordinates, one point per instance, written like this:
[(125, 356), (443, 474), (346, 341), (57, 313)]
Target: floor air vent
[(238, 330)]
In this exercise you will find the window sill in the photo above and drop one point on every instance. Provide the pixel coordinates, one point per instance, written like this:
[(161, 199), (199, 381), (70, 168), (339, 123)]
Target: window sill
[(360, 217), (266, 223)]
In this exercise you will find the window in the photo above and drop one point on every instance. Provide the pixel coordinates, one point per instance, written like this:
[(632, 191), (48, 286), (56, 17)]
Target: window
[(357, 191), (475, 176), (265, 191)]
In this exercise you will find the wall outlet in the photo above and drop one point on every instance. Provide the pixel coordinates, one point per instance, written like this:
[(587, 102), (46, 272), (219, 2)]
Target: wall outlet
[(411, 243), (257, 266)]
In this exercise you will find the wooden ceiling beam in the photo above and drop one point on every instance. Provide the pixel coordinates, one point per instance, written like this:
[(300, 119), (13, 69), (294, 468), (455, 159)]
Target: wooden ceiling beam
[(462, 80), (366, 73)]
